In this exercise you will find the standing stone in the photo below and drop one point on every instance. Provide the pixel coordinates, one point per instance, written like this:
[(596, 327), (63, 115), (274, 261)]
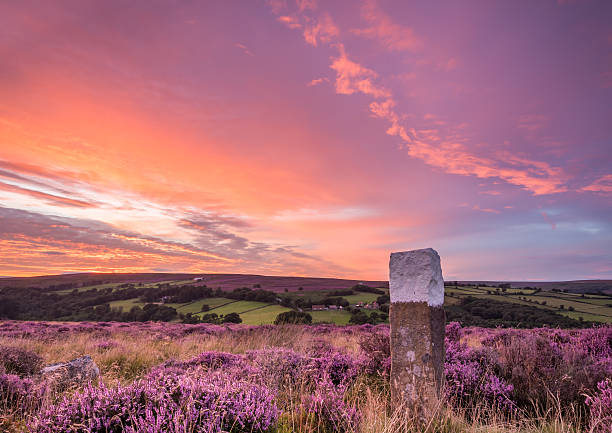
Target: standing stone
[(418, 324)]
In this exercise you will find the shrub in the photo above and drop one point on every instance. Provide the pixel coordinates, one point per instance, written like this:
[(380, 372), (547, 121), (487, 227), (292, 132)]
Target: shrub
[(173, 403), (20, 361), (377, 349), (601, 407), (293, 317), (471, 379), (19, 394), (327, 406)]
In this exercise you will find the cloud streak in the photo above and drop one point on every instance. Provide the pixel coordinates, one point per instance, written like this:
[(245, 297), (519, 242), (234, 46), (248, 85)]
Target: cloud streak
[(444, 150)]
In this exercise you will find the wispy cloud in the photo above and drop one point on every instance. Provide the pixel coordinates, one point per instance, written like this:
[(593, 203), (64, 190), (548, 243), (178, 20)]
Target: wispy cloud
[(317, 81), (392, 36), (244, 49), (601, 185), (444, 149)]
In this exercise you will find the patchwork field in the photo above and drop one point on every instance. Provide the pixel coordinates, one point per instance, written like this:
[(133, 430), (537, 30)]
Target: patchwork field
[(113, 297), (590, 307)]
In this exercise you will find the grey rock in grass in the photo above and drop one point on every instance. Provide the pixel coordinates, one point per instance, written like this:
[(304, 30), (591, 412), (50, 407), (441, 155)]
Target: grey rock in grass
[(65, 374)]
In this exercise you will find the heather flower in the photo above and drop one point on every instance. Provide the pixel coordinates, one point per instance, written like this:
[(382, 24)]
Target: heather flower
[(377, 348), (18, 393), (453, 332), (600, 405), (173, 404), (211, 360), (470, 378), (21, 362), (104, 345)]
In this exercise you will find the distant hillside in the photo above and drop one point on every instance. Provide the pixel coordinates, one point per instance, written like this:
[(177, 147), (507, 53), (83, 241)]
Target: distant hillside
[(88, 279), (227, 281), (275, 283), (577, 286)]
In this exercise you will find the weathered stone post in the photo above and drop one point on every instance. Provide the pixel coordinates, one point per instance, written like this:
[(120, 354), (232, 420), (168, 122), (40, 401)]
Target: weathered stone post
[(418, 324)]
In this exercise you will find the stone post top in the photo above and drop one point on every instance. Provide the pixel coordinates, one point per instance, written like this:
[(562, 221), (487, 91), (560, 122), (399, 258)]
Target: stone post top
[(416, 276)]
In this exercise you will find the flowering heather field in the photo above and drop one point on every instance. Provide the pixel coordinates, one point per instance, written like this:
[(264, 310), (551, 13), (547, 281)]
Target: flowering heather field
[(159, 377)]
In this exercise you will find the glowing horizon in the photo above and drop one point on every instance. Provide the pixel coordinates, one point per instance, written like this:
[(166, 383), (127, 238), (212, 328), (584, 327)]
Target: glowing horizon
[(306, 138)]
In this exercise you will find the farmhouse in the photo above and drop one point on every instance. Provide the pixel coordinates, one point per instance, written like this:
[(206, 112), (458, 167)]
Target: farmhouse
[(319, 307)]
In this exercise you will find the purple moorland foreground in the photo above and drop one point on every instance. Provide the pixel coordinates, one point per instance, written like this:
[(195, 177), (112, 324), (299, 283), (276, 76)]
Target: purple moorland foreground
[(160, 377)]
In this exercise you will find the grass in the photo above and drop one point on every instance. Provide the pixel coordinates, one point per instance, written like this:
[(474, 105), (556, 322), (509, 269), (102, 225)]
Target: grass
[(585, 316), (196, 306), (236, 307), (364, 297), (263, 316), (126, 304), (330, 316)]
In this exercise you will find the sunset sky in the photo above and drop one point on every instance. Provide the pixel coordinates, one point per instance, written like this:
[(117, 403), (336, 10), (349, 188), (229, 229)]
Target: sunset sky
[(306, 138)]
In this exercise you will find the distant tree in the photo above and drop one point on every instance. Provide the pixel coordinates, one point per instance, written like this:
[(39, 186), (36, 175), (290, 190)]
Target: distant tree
[(210, 318), (232, 318), (383, 299), (293, 317), (9, 308), (570, 308), (190, 319), (359, 318)]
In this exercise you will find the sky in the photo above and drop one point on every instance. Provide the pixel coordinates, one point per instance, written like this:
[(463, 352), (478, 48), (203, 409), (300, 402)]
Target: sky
[(307, 138)]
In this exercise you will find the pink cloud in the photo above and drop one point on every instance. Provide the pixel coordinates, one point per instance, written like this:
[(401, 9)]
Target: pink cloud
[(602, 185), (321, 29), (487, 210), (318, 81), (392, 36), (244, 49), (351, 77)]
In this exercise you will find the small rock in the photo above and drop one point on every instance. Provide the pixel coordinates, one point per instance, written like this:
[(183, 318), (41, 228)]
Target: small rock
[(64, 374)]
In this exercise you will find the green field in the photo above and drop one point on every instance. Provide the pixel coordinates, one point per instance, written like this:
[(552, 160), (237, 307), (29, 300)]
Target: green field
[(236, 307), (196, 306), (116, 286), (126, 304), (331, 316), (263, 316), (364, 297)]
